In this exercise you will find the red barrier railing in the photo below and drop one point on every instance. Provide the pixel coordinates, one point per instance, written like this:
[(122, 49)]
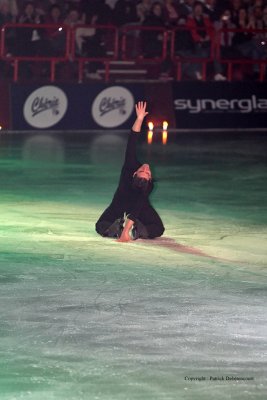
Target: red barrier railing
[(94, 43), (100, 43), (252, 51), (34, 43)]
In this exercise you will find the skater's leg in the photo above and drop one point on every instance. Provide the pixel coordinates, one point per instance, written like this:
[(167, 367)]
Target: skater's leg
[(109, 224), (149, 225)]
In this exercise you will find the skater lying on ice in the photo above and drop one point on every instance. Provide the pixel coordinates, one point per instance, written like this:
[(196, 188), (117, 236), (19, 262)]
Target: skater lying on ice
[(130, 215)]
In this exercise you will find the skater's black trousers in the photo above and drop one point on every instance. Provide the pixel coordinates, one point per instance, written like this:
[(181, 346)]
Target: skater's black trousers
[(148, 224)]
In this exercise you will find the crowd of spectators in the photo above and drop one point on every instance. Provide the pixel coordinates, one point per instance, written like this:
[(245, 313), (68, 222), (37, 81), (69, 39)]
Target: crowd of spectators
[(120, 12), (199, 17)]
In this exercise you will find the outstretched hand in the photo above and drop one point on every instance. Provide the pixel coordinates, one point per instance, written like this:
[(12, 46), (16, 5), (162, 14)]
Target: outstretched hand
[(140, 109)]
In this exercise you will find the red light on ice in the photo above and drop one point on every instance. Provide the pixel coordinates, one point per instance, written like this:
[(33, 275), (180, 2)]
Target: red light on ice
[(149, 137), (164, 137)]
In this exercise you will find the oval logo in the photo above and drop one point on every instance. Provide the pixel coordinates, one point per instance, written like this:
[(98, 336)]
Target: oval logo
[(45, 107), (112, 107)]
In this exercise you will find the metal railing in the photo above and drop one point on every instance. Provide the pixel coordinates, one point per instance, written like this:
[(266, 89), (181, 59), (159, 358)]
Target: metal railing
[(34, 43), (88, 44)]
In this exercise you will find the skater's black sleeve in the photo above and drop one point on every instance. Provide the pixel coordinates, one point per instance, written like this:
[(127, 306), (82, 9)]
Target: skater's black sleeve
[(141, 201), (131, 164), (131, 160)]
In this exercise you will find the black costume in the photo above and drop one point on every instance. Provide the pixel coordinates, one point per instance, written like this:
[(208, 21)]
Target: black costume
[(132, 201)]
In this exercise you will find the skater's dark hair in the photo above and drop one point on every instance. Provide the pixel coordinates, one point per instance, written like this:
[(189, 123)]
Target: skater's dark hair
[(140, 183)]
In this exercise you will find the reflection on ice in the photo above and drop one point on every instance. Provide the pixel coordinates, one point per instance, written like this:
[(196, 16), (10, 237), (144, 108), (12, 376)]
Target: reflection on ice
[(43, 148)]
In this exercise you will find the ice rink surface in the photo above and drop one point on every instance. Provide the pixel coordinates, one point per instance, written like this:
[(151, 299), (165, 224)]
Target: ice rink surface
[(178, 318)]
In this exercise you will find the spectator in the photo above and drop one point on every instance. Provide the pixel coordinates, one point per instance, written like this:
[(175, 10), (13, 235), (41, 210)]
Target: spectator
[(264, 23), (226, 37), (99, 9), (242, 38), (9, 7), (152, 41), (93, 40), (5, 18), (264, 18), (46, 5), (74, 17), (255, 4), (211, 8), (171, 13), (247, 4), (90, 39), (200, 26), (257, 13), (125, 13), (186, 8), (202, 32), (39, 8), (111, 3), (56, 36), (226, 48), (246, 42), (220, 7), (235, 7), (70, 4), (184, 45), (30, 41), (260, 23), (29, 14), (92, 43), (54, 15), (143, 9), (5, 14)]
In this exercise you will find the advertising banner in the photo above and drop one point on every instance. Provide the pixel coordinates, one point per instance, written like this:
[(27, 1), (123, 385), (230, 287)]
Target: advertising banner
[(220, 105), (196, 105), (73, 106)]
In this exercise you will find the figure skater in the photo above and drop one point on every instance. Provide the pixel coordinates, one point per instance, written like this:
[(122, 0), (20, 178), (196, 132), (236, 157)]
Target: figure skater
[(130, 215)]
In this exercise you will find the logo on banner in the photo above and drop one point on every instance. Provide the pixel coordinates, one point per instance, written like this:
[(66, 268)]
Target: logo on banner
[(243, 106), (112, 107), (45, 107)]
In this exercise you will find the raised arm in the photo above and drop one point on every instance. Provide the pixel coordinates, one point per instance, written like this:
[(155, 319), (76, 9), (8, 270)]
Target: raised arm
[(141, 112), (130, 154)]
